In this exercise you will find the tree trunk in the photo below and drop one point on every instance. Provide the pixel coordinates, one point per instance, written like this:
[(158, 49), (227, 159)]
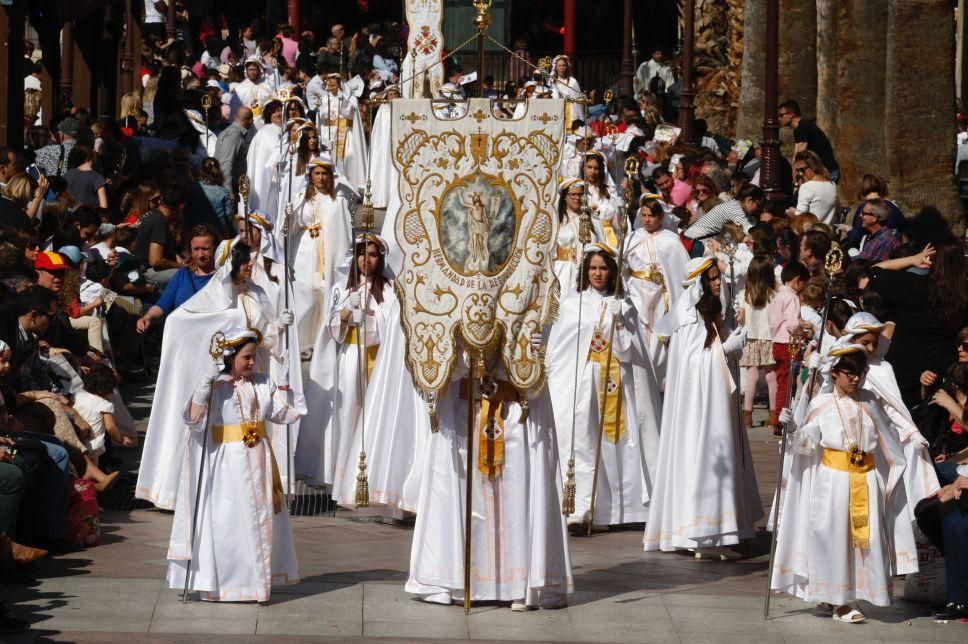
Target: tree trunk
[(712, 63), (861, 36), (749, 122), (798, 54), (920, 98), (827, 67)]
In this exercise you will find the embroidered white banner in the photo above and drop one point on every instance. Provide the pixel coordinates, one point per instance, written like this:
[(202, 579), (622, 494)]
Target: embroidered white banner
[(477, 227), (425, 18)]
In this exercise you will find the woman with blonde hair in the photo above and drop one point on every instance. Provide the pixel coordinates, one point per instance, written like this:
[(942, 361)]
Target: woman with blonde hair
[(20, 200), (148, 97), (816, 193)]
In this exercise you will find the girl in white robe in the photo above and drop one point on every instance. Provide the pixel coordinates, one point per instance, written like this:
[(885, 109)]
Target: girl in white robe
[(519, 550), (705, 493), (242, 544), (606, 204), (629, 438), (568, 249), (835, 539), (319, 239), (655, 259), (564, 85)]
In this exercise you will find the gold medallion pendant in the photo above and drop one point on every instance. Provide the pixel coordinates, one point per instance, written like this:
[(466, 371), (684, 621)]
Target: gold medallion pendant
[(857, 456), (250, 433), (599, 342)]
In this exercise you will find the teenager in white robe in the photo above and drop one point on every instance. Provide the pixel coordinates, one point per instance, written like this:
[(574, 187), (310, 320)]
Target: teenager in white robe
[(655, 259), (290, 170), (229, 299), (319, 238), (519, 550), (242, 543), (568, 249), (263, 150), (564, 85), (253, 92), (705, 495), (341, 131), (395, 427), (573, 151), (835, 539), (629, 438), (606, 204), (383, 174)]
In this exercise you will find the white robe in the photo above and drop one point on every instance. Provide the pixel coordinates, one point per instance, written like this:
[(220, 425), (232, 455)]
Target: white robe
[(241, 547), (314, 260), (259, 168), (383, 174), (188, 331), (569, 88), (815, 558), (519, 546), (705, 490), (608, 211), (396, 424), (628, 464), (350, 157), (665, 251), (253, 95)]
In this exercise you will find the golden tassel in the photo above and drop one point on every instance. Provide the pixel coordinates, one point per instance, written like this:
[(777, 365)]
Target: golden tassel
[(362, 484), (367, 209), (568, 494)]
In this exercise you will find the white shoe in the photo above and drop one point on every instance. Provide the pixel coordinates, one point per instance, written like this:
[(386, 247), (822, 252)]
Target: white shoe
[(520, 607), (717, 552), (848, 615), (443, 597)]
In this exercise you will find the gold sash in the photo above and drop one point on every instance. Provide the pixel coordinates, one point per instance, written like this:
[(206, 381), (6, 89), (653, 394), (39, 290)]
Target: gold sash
[(610, 235), (352, 337), (654, 275), (316, 234), (857, 464), (490, 424), (245, 433), (610, 391), (564, 254)]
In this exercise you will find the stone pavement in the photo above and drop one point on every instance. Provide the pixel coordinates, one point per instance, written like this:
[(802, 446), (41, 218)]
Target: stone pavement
[(354, 568)]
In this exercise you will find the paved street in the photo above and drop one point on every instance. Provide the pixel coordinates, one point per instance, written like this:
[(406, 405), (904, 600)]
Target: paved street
[(353, 571)]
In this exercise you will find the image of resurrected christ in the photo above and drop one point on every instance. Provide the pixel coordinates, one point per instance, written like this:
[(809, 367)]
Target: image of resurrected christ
[(478, 230)]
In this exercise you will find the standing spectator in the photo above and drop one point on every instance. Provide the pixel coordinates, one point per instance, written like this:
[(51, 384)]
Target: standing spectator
[(809, 136), (156, 19), (816, 194), (930, 305), (87, 185), (327, 60), (757, 358), (232, 147), (152, 246), (784, 316), (52, 159), (673, 190), (880, 241), (209, 201), (289, 46)]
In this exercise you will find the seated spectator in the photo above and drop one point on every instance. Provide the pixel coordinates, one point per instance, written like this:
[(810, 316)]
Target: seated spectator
[(941, 415), (943, 518), (879, 241), (209, 201), (86, 185), (155, 251), (21, 199)]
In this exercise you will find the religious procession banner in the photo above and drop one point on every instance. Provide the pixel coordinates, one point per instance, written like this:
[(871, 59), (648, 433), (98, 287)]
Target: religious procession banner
[(425, 45), (477, 227)]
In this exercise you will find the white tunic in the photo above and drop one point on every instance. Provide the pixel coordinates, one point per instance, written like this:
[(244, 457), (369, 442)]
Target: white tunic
[(383, 174), (628, 462), (518, 545), (705, 490), (569, 88), (340, 130), (647, 253), (815, 557), (608, 211), (242, 547), (252, 95), (260, 168), (569, 250)]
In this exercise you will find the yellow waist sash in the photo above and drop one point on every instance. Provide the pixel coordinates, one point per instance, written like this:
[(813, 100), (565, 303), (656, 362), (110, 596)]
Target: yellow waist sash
[(490, 423), (564, 254), (857, 464), (610, 235), (610, 391), (251, 433), (655, 276), (353, 337)]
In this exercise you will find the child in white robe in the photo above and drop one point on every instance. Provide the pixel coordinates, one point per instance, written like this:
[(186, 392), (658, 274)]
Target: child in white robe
[(835, 542), (242, 544)]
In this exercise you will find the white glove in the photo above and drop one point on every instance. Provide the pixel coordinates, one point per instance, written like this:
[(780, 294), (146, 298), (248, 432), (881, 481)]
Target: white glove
[(286, 318), (786, 416), (615, 307), (353, 301), (736, 340), (813, 362), (203, 390), (537, 340), (356, 317)]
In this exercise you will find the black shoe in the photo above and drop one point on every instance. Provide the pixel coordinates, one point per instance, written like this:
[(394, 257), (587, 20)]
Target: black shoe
[(10, 623), (952, 612)]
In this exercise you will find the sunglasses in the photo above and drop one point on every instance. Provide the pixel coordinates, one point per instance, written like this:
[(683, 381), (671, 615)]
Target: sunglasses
[(702, 191), (853, 375), (963, 346)]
